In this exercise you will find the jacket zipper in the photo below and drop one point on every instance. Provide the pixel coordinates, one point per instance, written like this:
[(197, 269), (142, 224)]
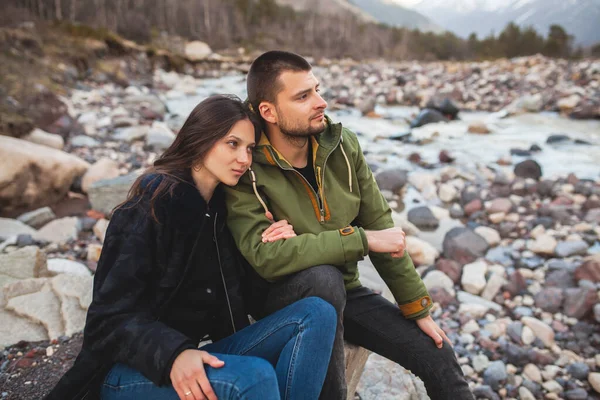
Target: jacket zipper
[(319, 199), (222, 275)]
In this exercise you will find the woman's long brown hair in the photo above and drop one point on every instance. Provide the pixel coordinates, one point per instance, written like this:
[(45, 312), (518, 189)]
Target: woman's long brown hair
[(209, 122)]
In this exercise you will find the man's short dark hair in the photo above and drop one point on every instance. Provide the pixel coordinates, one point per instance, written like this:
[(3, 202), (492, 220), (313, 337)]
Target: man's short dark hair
[(263, 78)]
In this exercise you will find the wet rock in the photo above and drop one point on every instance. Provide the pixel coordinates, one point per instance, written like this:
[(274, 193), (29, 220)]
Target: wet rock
[(423, 218), (444, 106), (478, 127), (558, 138), (528, 169), (579, 302), (445, 157), (463, 245), (427, 116)]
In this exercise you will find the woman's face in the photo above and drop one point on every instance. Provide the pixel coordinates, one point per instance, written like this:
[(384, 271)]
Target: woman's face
[(231, 156)]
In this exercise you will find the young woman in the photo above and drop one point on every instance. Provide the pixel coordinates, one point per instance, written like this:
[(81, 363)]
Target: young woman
[(169, 277)]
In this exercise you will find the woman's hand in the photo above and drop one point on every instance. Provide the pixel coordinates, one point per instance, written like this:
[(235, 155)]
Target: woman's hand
[(189, 377), (432, 330), (278, 230)]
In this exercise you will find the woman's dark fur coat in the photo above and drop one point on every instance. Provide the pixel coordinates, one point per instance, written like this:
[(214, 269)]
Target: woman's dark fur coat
[(143, 281)]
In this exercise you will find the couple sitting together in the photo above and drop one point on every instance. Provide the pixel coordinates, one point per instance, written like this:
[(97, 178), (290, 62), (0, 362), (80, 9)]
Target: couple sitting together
[(264, 209)]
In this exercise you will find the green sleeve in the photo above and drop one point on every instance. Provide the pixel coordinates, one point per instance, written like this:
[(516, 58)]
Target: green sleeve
[(246, 220), (399, 274)]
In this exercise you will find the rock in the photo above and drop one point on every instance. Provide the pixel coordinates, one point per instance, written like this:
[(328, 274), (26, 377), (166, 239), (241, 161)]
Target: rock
[(386, 380), (423, 218), (597, 312), (562, 279), (59, 231), (12, 227), (533, 373), (445, 157), (145, 104), (552, 387), (495, 375), (78, 287), (160, 136), (593, 216), (421, 252), (576, 394), (594, 380), (541, 330), (41, 307), (450, 268), (64, 266), (24, 286), (528, 169), (464, 245), (392, 179), (578, 370), (100, 229), (473, 277), (588, 270), (427, 116), (468, 298), (133, 133), (40, 137), (14, 328), (105, 168), (35, 175), (527, 103), (84, 141), (437, 279), (557, 139), (447, 193), (491, 236), (473, 206), (500, 205), (197, 50), (543, 244), (493, 286), (27, 262), (37, 218), (367, 106), (570, 248), (443, 105), (441, 296), (525, 394), (105, 195), (480, 362), (93, 252), (550, 299), (478, 127), (579, 301), (568, 103)]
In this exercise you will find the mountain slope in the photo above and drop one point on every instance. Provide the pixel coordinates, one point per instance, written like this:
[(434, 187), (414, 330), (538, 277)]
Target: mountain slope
[(393, 14), (580, 18)]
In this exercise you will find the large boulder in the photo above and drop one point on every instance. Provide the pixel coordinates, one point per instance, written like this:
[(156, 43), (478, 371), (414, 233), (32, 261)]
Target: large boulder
[(197, 50), (33, 175), (106, 194), (464, 245)]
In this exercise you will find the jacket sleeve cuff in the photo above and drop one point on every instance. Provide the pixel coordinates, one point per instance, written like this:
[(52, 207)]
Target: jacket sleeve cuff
[(187, 345), (353, 243), (417, 309)]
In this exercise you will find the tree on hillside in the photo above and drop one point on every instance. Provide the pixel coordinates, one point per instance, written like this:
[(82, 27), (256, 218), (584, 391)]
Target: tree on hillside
[(558, 43)]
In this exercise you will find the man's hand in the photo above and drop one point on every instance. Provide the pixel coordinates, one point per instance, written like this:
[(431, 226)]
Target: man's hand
[(278, 230), (390, 240), (432, 330), (189, 377)]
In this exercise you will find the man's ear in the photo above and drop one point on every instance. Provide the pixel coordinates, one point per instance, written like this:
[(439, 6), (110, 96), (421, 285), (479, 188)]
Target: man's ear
[(267, 112)]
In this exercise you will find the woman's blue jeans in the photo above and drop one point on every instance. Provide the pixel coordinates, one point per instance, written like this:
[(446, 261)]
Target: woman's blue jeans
[(283, 356)]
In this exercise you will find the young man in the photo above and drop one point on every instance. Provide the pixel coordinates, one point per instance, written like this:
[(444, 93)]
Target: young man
[(311, 172)]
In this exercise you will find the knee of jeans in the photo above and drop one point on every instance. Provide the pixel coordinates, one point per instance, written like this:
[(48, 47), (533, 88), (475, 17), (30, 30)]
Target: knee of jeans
[(326, 282), (262, 374), (320, 311)]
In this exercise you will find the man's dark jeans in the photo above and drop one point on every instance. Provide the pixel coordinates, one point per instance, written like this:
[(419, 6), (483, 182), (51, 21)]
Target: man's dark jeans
[(369, 320)]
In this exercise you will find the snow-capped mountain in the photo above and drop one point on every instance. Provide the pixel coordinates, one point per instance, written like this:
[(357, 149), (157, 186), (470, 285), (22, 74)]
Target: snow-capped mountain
[(580, 18)]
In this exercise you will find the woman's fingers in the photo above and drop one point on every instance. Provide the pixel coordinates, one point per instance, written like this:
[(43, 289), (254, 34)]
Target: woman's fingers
[(212, 360), (274, 226), (444, 336)]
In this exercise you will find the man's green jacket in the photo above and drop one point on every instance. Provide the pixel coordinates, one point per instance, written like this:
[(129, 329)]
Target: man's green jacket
[(329, 222)]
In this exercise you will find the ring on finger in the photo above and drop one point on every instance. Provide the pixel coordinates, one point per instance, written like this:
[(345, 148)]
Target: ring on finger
[(188, 393)]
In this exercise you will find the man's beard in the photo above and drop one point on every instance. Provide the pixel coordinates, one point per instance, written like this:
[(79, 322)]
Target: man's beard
[(295, 132)]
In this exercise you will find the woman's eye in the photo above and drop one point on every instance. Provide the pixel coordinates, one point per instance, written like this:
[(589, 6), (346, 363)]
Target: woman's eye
[(232, 143)]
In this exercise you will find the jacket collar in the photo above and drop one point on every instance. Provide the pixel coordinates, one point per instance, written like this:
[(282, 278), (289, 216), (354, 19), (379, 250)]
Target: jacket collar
[(323, 144)]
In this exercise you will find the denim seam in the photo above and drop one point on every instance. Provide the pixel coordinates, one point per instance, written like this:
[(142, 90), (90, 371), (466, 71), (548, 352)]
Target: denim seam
[(128, 384), (267, 335), (293, 361)]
